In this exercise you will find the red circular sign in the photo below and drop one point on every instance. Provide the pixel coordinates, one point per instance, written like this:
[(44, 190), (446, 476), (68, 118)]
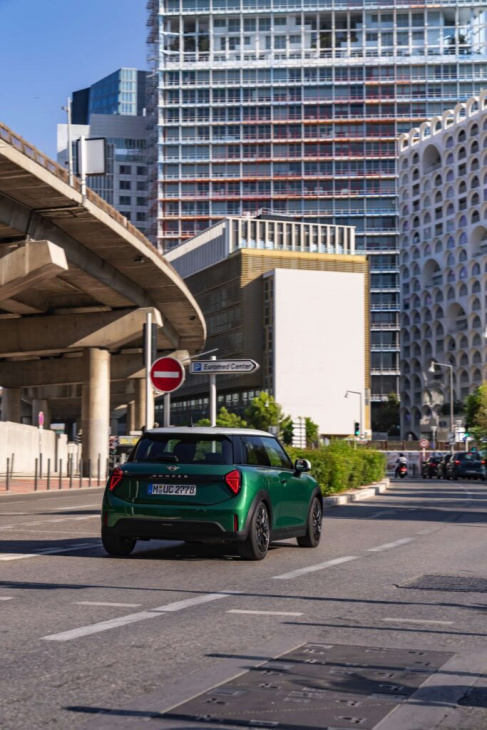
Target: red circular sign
[(167, 374)]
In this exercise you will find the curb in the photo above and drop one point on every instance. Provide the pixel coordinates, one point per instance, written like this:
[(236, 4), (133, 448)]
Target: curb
[(357, 495)]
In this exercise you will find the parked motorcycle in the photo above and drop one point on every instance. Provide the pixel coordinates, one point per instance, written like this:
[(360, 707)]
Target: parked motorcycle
[(402, 471)]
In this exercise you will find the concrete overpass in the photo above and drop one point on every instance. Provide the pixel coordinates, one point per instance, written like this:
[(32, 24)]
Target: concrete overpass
[(76, 282)]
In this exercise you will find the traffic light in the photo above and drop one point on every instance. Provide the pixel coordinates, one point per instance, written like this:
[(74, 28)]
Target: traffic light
[(356, 430)]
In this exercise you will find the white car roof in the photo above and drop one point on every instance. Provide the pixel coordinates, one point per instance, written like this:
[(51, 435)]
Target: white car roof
[(208, 430)]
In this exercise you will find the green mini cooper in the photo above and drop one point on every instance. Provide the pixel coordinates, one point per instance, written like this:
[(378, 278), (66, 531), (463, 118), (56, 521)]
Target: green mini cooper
[(211, 485)]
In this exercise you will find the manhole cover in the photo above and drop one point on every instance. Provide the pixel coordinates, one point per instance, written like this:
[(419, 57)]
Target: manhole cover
[(459, 583)]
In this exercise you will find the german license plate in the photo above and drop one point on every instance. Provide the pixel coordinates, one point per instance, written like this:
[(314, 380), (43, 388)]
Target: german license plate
[(173, 490)]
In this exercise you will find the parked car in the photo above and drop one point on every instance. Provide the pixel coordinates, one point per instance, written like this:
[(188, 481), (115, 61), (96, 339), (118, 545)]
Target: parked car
[(441, 468), (429, 467), (211, 485), (465, 465)]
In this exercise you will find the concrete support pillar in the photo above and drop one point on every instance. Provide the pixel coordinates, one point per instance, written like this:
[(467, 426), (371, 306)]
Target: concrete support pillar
[(11, 405), (130, 425), (95, 410), (139, 405), (38, 405)]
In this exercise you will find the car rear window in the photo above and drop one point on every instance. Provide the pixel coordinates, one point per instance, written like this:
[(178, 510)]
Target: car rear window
[(468, 457), (183, 449)]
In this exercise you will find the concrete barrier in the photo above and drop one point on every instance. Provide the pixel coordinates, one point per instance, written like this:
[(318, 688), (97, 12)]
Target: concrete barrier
[(356, 495), (26, 443)]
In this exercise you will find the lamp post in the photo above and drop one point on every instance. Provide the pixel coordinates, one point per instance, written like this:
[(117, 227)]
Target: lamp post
[(67, 109), (431, 369), (357, 392)]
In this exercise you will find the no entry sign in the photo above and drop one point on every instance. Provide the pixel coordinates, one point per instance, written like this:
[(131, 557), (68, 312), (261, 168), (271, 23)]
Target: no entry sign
[(167, 374)]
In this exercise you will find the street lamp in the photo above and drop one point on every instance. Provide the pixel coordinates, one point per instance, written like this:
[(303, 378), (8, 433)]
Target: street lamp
[(357, 392), (431, 369)]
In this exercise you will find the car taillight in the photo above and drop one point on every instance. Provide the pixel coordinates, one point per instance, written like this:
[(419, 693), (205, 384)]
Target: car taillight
[(233, 480), (115, 479), (456, 462)]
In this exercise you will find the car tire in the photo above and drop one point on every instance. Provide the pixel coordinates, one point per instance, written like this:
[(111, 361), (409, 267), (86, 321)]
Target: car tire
[(313, 526), (116, 544), (256, 544)]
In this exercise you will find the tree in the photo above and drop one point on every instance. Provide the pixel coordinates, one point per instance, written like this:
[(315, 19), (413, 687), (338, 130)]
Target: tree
[(312, 432), (225, 419), (265, 414), (471, 407), (385, 418), (480, 421)]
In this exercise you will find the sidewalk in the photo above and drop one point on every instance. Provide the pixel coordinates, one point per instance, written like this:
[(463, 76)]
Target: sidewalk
[(26, 485)]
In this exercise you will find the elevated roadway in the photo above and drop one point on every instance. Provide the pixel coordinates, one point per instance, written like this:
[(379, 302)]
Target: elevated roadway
[(76, 282)]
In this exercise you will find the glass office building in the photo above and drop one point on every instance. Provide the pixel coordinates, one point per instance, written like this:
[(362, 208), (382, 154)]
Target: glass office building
[(294, 107), (115, 108)]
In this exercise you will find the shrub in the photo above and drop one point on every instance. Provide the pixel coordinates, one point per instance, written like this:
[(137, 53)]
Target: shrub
[(340, 466)]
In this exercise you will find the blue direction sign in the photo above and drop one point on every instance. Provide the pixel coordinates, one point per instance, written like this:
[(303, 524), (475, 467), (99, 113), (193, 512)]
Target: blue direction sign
[(219, 367)]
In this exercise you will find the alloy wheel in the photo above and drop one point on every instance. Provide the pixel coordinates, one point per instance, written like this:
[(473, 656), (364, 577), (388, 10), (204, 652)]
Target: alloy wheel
[(262, 529)]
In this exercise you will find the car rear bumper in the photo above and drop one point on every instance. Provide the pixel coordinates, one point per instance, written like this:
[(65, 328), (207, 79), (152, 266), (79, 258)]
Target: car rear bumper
[(166, 529)]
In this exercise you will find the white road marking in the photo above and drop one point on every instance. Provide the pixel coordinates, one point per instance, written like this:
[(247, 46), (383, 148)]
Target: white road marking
[(266, 613), (47, 522), (417, 621), (313, 568), (49, 551), (6, 598), (103, 603), (390, 545), (133, 617), (76, 506)]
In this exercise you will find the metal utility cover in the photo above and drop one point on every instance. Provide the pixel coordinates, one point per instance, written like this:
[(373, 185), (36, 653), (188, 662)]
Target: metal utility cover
[(323, 686), (453, 583)]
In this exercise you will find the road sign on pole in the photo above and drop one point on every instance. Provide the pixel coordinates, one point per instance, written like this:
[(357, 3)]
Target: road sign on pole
[(219, 367), (167, 374), (424, 443)]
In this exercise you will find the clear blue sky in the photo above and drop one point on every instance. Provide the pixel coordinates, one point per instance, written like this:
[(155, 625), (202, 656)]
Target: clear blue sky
[(50, 48)]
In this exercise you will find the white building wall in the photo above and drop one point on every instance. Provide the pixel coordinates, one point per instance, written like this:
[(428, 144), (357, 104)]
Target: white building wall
[(319, 346)]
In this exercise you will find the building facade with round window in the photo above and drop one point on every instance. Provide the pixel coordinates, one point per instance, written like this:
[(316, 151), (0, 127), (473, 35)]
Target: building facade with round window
[(443, 275)]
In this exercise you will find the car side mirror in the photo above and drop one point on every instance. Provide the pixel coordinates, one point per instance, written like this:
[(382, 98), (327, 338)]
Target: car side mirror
[(302, 465)]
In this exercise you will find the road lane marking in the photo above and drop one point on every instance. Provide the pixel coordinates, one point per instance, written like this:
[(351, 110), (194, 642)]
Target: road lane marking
[(48, 551), (134, 617), (266, 613), (418, 621), (103, 603), (6, 598), (48, 522), (390, 545), (313, 568), (380, 514), (76, 506)]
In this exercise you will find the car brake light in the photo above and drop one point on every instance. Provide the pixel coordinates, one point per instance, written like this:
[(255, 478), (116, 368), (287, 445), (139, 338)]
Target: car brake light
[(456, 462), (115, 479), (483, 461), (232, 480)]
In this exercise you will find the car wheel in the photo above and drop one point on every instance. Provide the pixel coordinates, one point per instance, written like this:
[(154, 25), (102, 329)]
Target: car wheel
[(116, 544), (256, 544), (313, 531)]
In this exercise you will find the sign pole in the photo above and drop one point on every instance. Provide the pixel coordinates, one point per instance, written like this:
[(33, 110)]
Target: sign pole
[(213, 396), (149, 409), (167, 409)]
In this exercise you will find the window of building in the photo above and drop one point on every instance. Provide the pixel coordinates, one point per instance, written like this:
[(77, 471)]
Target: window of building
[(141, 186), (142, 171), (141, 201), (126, 213), (125, 200), (125, 170), (125, 185), (141, 217)]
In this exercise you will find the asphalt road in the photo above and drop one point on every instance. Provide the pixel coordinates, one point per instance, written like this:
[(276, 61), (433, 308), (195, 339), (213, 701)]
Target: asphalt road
[(91, 641)]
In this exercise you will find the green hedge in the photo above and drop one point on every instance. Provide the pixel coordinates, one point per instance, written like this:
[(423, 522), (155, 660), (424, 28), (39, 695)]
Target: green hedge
[(340, 466)]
